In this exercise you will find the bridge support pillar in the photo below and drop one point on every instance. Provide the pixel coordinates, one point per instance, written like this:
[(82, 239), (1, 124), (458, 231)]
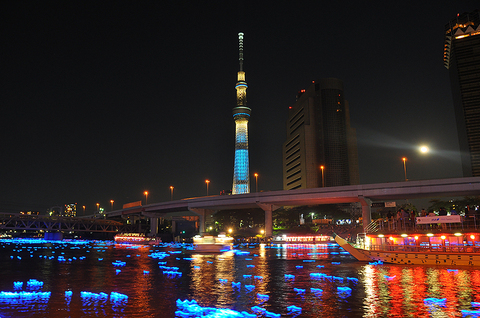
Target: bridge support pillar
[(153, 226), (268, 208), (366, 211), (203, 214)]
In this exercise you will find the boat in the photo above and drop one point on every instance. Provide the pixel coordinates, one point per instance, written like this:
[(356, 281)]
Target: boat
[(302, 239), (429, 240), (136, 238), (213, 244)]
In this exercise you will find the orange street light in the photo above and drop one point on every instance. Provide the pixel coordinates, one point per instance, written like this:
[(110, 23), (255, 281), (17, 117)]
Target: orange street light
[(111, 202), (146, 197), (171, 193), (256, 182), (207, 182), (405, 167), (83, 210), (98, 206), (323, 178)]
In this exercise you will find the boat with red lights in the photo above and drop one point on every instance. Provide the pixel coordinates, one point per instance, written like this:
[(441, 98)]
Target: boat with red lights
[(136, 238), (451, 240)]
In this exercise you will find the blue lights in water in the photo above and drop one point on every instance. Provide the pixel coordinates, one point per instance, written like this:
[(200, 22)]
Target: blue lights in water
[(435, 301)]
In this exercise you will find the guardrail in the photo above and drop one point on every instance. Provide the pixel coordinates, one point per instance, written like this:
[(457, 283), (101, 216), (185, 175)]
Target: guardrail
[(468, 222)]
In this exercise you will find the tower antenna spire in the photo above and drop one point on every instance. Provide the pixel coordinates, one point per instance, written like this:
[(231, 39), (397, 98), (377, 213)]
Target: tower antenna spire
[(241, 115), (240, 50)]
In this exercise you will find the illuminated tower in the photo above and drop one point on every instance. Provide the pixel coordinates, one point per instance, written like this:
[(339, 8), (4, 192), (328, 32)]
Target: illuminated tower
[(241, 114)]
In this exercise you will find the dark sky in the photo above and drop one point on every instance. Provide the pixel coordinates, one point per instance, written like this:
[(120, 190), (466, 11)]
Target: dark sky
[(103, 100)]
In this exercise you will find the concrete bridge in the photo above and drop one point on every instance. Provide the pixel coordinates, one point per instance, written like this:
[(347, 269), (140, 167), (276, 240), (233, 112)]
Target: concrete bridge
[(272, 200)]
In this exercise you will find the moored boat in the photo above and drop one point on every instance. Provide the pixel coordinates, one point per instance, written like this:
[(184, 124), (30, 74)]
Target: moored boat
[(417, 244), (135, 238)]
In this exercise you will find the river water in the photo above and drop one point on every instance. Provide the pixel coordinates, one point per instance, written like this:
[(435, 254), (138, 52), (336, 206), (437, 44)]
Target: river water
[(103, 279)]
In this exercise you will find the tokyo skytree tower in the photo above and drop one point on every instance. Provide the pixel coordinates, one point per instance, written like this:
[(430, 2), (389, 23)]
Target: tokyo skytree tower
[(241, 114)]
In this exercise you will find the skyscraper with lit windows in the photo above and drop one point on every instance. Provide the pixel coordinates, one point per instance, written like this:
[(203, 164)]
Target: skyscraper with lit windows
[(241, 115), (321, 146), (461, 57)]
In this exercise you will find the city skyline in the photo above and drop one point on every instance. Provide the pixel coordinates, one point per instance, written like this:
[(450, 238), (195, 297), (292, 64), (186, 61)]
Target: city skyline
[(105, 102)]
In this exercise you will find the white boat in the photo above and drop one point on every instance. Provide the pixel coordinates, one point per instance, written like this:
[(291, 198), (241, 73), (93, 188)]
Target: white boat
[(213, 244)]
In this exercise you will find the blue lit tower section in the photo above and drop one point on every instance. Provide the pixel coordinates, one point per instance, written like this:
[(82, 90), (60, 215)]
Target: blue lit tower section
[(241, 114)]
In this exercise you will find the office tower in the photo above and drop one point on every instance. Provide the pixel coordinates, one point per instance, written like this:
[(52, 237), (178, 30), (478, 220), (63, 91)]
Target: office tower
[(462, 59), (241, 114), (319, 135)]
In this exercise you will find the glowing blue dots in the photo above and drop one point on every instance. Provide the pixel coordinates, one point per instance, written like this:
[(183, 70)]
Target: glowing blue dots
[(34, 283), (17, 285), (100, 259), (288, 276), (247, 276), (263, 296), (352, 279), (146, 272), (335, 263), (196, 267), (320, 266), (236, 285), (435, 301), (309, 261), (223, 281), (294, 310), (316, 290), (258, 277), (68, 293), (299, 290), (250, 266), (119, 263), (117, 271), (250, 287), (299, 266)]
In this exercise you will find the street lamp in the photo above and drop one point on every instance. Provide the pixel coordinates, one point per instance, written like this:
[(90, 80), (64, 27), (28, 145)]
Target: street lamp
[(207, 182), (98, 206), (171, 193), (111, 202), (323, 177), (256, 182), (83, 210), (405, 167), (146, 197)]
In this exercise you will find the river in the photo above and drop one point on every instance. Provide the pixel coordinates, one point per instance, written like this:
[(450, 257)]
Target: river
[(104, 279)]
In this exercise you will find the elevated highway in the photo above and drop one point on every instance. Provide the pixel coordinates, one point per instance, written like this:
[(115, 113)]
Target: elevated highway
[(272, 200)]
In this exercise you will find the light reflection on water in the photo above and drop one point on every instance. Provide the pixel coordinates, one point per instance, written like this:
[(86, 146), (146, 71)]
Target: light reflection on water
[(381, 290)]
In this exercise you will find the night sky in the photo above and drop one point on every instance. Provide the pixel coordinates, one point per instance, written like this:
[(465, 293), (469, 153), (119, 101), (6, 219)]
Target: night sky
[(103, 100)]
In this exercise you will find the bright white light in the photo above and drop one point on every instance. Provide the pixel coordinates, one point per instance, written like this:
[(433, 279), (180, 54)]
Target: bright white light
[(424, 149)]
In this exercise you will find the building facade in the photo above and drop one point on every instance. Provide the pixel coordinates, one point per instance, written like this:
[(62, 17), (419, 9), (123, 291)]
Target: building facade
[(462, 59), (321, 147), (241, 115)]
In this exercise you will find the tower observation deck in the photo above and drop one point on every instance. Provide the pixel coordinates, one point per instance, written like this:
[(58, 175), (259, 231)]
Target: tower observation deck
[(241, 114)]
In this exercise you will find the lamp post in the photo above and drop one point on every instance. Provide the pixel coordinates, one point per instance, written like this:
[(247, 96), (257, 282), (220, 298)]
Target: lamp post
[(323, 177), (207, 182), (146, 197), (98, 206), (111, 202), (256, 182), (171, 193), (405, 167), (83, 210)]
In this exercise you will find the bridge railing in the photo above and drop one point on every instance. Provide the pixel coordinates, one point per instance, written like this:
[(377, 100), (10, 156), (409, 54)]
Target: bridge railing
[(467, 223)]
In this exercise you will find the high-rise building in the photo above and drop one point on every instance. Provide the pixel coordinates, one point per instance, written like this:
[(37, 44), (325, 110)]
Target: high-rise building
[(241, 114), (321, 147), (462, 58)]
